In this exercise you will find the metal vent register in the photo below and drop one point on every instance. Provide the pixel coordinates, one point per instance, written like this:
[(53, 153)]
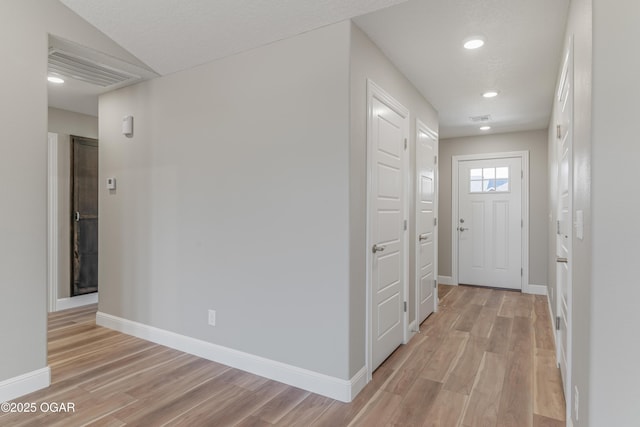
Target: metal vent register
[(76, 67)]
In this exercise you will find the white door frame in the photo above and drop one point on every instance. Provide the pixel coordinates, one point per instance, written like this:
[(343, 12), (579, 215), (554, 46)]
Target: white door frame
[(375, 91), (52, 221), (421, 127), (524, 156)]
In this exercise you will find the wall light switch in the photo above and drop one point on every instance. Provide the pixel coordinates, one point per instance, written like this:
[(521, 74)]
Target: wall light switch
[(111, 183)]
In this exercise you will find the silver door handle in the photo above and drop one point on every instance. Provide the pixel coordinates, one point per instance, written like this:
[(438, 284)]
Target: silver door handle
[(377, 248), (76, 216), (560, 259), (463, 229), (423, 236)]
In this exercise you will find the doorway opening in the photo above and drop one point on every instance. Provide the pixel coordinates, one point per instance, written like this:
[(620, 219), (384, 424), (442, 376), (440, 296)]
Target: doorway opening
[(84, 222)]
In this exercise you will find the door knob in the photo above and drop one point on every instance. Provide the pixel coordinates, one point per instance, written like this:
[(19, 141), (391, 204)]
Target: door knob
[(423, 236), (377, 248), (463, 229)]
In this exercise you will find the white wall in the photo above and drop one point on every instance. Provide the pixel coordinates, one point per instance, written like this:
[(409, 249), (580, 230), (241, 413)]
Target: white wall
[(24, 25), (233, 195), (66, 123), (368, 62), (615, 317), (533, 141)]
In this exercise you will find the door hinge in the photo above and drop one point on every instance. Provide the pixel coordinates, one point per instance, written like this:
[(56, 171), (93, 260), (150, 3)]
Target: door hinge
[(76, 216), (435, 283), (405, 143), (557, 226), (522, 223), (557, 323), (435, 160), (558, 132), (521, 174), (435, 222), (405, 225), (521, 272), (405, 306)]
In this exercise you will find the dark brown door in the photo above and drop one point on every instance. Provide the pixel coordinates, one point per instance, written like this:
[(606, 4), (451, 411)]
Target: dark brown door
[(84, 210)]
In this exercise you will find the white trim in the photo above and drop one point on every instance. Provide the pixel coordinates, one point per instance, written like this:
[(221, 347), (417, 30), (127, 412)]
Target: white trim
[(553, 328), (534, 289), (332, 387), (413, 328), (375, 91), (406, 188), (524, 156), (24, 384), (52, 221), (446, 280), (77, 301), (357, 383)]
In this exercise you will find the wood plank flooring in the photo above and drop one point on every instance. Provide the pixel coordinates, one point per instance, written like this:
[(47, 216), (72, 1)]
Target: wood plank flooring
[(486, 358)]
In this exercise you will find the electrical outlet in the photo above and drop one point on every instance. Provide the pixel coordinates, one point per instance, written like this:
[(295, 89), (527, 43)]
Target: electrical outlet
[(212, 317), (576, 401)]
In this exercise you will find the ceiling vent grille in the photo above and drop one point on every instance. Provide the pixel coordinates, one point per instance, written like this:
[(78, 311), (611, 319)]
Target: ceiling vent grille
[(481, 119), (76, 67)]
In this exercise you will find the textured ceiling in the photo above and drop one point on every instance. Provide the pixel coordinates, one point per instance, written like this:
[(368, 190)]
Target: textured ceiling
[(520, 58), (422, 37), (173, 35)]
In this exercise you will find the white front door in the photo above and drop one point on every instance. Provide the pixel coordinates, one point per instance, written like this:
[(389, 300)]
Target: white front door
[(388, 131), (564, 225), (426, 208), (489, 223)]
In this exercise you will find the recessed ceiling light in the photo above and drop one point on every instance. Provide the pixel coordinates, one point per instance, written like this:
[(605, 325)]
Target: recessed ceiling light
[(474, 42), (56, 80), (490, 94), (485, 128)]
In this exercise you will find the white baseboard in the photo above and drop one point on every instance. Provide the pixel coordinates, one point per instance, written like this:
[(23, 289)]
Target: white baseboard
[(446, 280), (24, 384), (358, 381), (412, 330), (79, 301), (534, 289), (555, 332), (335, 388)]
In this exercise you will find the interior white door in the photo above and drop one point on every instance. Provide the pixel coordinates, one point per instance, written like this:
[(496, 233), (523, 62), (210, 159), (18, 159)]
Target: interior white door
[(388, 132), (490, 222), (426, 236), (564, 225)]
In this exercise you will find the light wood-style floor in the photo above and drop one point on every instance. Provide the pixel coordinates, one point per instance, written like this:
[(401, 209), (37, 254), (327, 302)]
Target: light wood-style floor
[(485, 359)]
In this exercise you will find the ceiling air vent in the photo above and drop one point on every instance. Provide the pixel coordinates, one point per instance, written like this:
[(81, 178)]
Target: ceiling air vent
[(481, 119), (76, 67)]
